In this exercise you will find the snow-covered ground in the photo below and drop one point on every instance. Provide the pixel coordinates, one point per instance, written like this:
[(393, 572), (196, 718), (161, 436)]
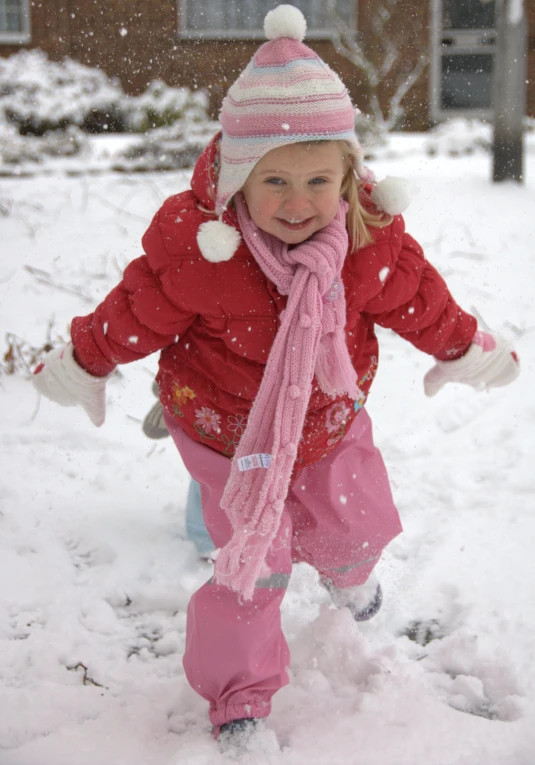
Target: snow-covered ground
[(96, 572)]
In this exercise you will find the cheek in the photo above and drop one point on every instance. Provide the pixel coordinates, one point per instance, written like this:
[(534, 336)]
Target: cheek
[(330, 205), (261, 204)]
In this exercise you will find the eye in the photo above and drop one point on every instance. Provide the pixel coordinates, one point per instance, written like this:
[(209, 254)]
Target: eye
[(275, 181), (318, 181)]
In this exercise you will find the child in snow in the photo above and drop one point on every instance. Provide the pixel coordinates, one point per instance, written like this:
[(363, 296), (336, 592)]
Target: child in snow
[(261, 287)]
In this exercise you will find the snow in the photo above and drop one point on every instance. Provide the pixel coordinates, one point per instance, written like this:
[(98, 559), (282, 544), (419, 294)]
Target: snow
[(96, 571)]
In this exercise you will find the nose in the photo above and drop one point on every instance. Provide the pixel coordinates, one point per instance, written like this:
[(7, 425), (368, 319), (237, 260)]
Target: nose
[(296, 201)]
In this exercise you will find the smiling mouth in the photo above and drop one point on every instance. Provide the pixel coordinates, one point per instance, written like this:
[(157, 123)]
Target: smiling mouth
[(295, 225)]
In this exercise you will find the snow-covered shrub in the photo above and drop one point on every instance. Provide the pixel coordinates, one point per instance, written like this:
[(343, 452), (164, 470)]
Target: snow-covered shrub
[(161, 105), (18, 149), (457, 137), (460, 136), (170, 148), (38, 96)]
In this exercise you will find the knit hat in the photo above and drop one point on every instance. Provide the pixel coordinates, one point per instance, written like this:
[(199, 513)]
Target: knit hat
[(286, 94)]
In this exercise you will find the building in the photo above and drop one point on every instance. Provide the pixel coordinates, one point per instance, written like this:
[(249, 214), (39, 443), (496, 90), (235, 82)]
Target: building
[(205, 43)]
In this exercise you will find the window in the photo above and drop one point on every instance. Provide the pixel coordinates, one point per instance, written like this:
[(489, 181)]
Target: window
[(14, 21), (463, 54), (245, 18), (468, 14)]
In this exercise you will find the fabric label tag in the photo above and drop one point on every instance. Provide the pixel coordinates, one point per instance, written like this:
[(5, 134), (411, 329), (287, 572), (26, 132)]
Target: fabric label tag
[(252, 461)]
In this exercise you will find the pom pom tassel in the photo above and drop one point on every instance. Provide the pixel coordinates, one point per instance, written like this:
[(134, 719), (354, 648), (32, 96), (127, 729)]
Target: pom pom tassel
[(217, 241), (391, 195)]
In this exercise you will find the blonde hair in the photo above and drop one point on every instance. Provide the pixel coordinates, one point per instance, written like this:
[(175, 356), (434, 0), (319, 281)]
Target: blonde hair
[(359, 218)]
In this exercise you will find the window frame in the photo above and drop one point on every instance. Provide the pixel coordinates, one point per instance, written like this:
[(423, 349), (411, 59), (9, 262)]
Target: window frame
[(244, 34), (24, 36), (466, 42)]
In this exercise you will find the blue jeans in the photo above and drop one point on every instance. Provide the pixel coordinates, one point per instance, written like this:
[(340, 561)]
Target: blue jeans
[(195, 528)]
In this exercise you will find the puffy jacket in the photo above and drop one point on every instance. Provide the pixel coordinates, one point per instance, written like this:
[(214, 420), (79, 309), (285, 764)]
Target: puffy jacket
[(214, 323)]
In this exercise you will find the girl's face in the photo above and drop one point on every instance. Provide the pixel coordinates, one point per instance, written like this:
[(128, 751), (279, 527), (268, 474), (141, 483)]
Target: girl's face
[(294, 191)]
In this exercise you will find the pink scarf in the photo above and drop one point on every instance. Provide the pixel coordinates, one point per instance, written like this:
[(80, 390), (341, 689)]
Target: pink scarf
[(310, 340)]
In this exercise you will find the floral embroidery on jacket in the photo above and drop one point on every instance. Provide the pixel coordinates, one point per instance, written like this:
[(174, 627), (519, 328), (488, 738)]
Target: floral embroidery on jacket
[(359, 403), (181, 396), (336, 421), (207, 420), (370, 374), (208, 426), (237, 423), (336, 417)]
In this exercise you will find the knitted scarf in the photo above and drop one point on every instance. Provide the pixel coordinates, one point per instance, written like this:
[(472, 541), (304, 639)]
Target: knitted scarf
[(310, 340)]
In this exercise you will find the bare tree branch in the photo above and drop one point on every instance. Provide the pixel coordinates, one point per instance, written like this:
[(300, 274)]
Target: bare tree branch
[(388, 36), (395, 111)]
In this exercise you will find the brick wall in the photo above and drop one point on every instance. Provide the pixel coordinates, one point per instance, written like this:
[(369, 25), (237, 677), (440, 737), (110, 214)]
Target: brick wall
[(91, 32)]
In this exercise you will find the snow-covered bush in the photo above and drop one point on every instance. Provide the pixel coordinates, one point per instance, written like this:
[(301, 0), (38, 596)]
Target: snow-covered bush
[(457, 137), (18, 150), (38, 96), (170, 148), (161, 105)]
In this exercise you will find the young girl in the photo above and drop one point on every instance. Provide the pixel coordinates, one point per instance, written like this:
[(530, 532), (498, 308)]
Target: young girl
[(261, 286)]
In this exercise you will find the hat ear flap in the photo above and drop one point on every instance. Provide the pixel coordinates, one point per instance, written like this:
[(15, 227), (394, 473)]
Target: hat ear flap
[(217, 241)]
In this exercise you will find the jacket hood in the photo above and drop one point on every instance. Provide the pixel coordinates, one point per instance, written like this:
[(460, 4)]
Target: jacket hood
[(204, 178), (218, 240)]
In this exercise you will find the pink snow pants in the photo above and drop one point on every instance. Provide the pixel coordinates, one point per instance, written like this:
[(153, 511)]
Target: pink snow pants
[(339, 517)]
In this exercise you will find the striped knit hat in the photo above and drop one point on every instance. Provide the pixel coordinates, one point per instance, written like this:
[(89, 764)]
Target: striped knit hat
[(286, 94)]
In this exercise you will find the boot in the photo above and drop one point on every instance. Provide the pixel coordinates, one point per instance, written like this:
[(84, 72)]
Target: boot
[(154, 424), (237, 734), (363, 600)]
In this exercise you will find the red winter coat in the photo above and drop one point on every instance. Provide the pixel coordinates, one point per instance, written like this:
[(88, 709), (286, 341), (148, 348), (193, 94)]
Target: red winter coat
[(214, 323)]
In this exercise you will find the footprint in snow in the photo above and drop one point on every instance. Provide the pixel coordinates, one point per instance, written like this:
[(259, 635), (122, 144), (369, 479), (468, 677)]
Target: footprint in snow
[(467, 676)]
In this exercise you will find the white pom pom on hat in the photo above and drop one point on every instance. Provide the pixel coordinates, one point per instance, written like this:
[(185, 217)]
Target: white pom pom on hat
[(217, 241), (392, 195), (285, 21)]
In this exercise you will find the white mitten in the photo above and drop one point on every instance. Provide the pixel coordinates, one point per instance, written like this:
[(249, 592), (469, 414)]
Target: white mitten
[(490, 362), (62, 380)]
